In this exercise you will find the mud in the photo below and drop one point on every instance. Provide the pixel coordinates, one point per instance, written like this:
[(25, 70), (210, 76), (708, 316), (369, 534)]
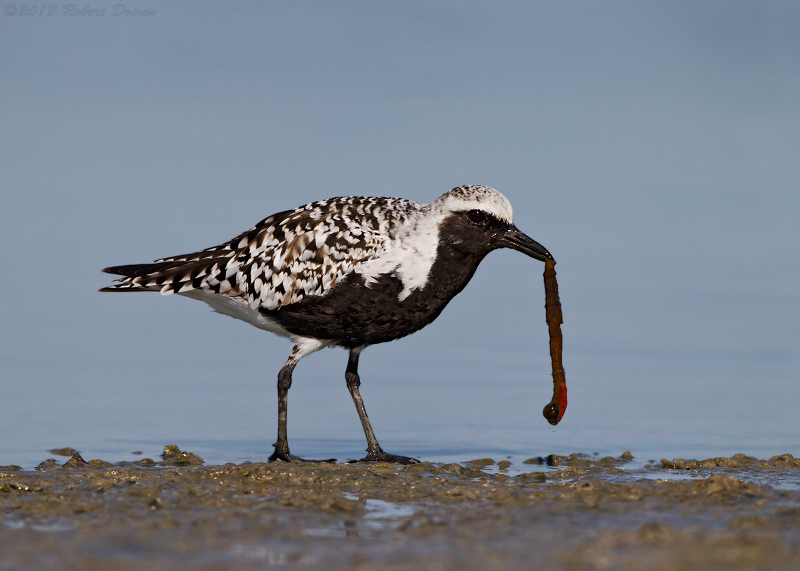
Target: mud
[(571, 512)]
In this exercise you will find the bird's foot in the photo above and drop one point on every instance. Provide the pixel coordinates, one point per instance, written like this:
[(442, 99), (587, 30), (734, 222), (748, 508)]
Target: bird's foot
[(381, 456), (286, 456)]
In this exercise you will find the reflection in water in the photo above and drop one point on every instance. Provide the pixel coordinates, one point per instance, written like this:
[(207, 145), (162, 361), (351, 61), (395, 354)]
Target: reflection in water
[(379, 509), (336, 530), (272, 555), (379, 515), (43, 527)]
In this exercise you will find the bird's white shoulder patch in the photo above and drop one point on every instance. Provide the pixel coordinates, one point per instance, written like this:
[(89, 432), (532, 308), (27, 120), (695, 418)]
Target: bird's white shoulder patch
[(409, 254)]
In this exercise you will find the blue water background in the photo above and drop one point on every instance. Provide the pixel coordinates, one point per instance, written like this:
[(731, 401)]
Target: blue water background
[(652, 148)]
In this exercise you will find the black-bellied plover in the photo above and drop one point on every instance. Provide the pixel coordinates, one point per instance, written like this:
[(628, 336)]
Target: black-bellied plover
[(348, 272)]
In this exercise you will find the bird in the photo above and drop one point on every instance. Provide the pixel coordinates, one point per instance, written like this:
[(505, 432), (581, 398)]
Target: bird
[(349, 272)]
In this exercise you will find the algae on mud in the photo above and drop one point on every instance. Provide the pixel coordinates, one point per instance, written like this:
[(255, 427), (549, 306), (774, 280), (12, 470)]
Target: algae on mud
[(584, 513)]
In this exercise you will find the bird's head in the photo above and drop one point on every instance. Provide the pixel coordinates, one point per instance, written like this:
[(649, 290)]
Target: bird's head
[(478, 219)]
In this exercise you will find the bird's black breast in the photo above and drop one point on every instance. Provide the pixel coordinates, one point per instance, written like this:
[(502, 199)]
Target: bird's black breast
[(353, 314)]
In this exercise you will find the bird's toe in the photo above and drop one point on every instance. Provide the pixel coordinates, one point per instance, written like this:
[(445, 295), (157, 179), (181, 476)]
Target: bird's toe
[(286, 456), (381, 456)]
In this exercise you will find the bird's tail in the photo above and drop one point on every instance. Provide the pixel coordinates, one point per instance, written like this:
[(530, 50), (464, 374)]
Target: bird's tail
[(174, 275)]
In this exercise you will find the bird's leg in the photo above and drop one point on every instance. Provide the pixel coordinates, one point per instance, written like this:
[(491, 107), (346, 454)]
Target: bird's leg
[(284, 384), (374, 451)]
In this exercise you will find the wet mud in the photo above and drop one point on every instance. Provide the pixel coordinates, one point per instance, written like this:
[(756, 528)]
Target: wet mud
[(558, 512)]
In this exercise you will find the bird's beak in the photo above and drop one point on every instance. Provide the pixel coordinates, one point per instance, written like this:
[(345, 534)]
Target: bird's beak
[(516, 240)]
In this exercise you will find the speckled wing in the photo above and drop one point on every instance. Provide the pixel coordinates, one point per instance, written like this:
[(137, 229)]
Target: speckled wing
[(305, 254), (284, 258)]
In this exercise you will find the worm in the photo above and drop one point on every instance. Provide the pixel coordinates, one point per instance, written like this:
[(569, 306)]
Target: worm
[(555, 409)]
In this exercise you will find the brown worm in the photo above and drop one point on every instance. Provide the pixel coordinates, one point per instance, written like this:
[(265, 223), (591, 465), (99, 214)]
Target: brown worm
[(555, 409)]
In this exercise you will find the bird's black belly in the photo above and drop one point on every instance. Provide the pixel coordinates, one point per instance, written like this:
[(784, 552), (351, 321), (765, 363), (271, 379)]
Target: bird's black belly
[(353, 314)]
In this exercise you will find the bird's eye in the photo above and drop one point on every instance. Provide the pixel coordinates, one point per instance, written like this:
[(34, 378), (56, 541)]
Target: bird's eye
[(477, 216)]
